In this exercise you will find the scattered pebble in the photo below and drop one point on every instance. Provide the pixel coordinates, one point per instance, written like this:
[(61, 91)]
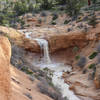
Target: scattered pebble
[(28, 95)]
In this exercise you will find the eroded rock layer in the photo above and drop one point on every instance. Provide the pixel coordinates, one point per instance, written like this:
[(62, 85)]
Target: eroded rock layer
[(5, 54)]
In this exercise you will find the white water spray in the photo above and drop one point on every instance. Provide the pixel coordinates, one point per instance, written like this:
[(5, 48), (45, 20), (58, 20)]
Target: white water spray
[(44, 46)]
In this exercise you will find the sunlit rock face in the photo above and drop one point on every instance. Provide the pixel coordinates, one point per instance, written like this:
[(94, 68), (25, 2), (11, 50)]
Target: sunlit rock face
[(5, 54), (57, 42)]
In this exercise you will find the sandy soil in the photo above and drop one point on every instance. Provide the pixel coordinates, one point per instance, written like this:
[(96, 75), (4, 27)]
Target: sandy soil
[(21, 85)]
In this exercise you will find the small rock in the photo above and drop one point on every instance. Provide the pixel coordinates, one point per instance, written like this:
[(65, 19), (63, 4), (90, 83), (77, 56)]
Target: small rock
[(32, 78), (85, 18), (84, 71), (28, 95), (69, 29), (72, 87), (28, 89)]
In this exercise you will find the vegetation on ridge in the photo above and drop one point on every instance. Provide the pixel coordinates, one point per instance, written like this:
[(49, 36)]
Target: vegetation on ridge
[(10, 10)]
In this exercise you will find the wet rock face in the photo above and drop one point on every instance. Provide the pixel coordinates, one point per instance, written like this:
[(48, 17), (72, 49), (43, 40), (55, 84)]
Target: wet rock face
[(5, 54), (97, 77)]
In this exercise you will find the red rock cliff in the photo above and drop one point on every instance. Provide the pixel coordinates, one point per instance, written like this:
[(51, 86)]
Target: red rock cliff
[(5, 54)]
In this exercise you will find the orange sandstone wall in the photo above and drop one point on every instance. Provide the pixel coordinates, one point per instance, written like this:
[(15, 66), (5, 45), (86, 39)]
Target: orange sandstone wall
[(5, 54)]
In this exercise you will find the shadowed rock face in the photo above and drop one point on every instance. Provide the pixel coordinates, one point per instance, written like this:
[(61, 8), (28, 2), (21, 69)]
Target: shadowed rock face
[(64, 41), (5, 54)]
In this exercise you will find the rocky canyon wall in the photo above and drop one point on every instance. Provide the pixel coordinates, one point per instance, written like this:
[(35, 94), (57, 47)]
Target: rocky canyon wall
[(5, 54)]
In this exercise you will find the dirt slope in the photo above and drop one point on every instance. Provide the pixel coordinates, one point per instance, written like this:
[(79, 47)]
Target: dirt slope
[(22, 86), (14, 84)]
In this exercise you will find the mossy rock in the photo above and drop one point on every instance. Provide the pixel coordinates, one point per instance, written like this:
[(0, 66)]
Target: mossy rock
[(77, 57)]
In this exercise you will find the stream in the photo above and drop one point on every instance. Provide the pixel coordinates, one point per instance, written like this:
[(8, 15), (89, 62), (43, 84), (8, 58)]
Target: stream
[(58, 68)]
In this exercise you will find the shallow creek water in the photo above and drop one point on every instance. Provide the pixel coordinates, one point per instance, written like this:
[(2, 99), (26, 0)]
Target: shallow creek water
[(58, 69)]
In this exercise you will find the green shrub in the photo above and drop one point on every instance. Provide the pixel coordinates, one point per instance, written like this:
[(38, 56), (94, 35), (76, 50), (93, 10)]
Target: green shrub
[(46, 69), (93, 55), (22, 23), (39, 21), (73, 7), (77, 57), (66, 21), (55, 16), (75, 49), (91, 66), (61, 2), (31, 7), (26, 70), (93, 21), (79, 20), (3, 19), (53, 23), (37, 25), (20, 8), (46, 4)]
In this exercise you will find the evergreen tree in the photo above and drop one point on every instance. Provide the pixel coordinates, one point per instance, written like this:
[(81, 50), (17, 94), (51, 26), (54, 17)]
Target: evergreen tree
[(73, 7), (93, 20)]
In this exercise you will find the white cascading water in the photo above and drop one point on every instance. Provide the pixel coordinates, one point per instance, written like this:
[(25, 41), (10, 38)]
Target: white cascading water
[(44, 46), (58, 68)]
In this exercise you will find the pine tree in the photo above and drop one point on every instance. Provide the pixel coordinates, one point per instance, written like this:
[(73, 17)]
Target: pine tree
[(73, 7), (93, 20)]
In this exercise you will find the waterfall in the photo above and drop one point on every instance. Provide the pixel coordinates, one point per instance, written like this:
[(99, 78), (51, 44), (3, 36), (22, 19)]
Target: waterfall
[(44, 46), (58, 69)]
